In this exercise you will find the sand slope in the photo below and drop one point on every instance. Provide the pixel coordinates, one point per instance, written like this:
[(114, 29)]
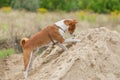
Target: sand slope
[(96, 57)]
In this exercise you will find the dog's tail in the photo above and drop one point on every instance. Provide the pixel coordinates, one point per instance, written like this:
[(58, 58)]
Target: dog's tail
[(23, 41)]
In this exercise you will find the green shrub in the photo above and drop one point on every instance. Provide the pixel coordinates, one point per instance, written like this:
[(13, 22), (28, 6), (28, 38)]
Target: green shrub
[(104, 6), (30, 5), (16, 4), (65, 5), (99, 6), (4, 3)]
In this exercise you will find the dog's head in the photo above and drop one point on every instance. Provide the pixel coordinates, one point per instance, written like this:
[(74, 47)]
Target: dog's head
[(71, 23)]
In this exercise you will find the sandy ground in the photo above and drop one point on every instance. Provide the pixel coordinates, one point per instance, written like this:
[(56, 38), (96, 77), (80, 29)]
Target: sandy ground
[(96, 57)]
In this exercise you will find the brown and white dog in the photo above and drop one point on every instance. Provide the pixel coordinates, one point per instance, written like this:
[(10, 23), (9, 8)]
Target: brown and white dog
[(52, 33)]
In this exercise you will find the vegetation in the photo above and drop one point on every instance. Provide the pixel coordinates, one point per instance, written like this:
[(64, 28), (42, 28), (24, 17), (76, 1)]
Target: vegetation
[(5, 53), (21, 23), (4, 3), (30, 5), (99, 6)]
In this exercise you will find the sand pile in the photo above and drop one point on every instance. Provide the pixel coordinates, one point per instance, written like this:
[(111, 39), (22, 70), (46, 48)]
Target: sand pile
[(96, 57)]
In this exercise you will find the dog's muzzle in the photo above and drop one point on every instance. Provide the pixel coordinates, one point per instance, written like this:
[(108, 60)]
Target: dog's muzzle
[(73, 35)]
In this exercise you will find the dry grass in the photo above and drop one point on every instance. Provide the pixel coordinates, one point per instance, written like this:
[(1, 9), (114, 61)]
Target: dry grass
[(22, 23)]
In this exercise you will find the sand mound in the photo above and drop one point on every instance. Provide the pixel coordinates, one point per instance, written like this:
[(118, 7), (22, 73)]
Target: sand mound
[(96, 57)]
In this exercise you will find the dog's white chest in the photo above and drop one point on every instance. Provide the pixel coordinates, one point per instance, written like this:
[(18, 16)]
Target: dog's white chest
[(61, 32), (63, 27)]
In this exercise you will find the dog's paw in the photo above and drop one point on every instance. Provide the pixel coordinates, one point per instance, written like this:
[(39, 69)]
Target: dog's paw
[(25, 74), (76, 40)]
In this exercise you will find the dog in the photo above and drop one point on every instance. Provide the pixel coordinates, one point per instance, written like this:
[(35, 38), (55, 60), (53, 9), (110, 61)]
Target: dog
[(52, 33)]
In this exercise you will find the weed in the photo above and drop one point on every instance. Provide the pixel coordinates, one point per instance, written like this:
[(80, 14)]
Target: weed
[(87, 16), (6, 9), (5, 53), (4, 26), (42, 10)]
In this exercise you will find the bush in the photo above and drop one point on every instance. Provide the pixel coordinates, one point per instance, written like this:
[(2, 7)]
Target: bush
[(30, 5), (104, 6), (99, 6), (4, 3), (65, 5), (16, 4)]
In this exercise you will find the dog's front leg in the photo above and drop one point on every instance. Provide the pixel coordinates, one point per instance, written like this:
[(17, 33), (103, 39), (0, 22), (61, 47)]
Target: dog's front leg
[(71, 40), (62, 46)]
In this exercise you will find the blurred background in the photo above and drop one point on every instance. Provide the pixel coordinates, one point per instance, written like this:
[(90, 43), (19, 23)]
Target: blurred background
[(19, 18)]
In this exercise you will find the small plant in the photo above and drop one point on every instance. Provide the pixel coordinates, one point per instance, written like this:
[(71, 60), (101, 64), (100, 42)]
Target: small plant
[(42, 10), (4, 26), (5, 53), (82, 15), (115, 13), (6, 9), (87, 16)]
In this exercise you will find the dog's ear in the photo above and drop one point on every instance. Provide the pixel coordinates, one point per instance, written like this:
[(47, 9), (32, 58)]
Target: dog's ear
[(23, 41), (68, 22), (75, 21)]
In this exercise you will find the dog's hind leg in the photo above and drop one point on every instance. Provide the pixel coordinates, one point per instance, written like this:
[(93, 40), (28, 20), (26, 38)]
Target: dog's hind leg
[(28, 66), (33, 57)]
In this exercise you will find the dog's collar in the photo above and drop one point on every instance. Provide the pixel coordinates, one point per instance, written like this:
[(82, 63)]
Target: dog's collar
[(61, 28), (61, 25)]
